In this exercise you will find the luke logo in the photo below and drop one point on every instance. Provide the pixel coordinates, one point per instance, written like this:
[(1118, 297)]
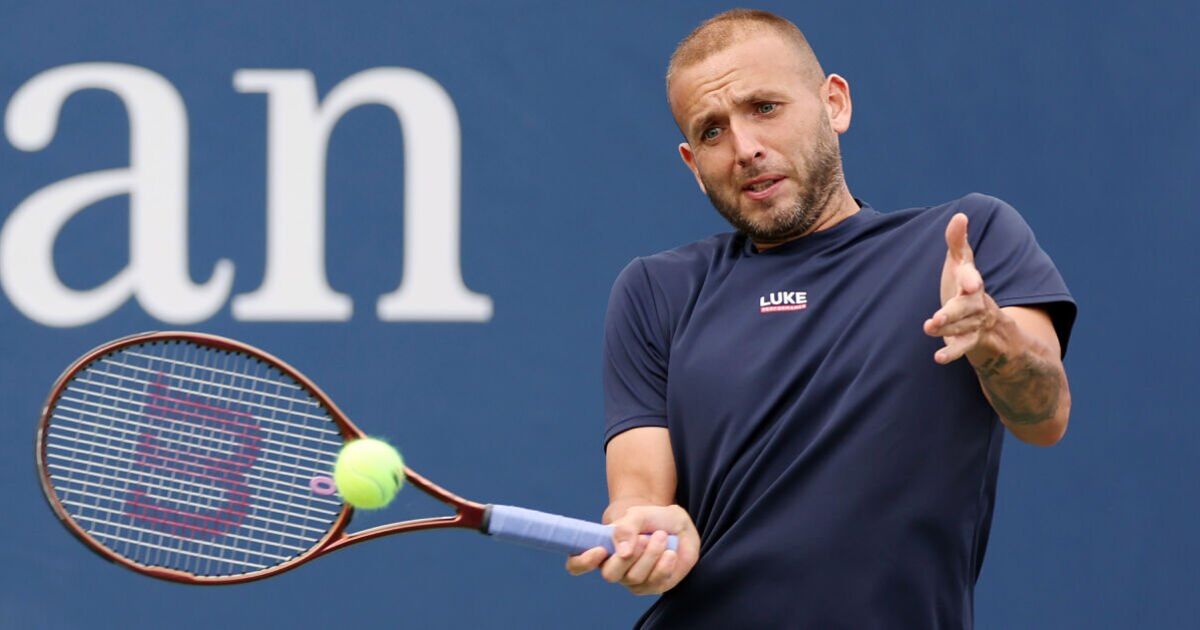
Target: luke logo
[(783, 301)]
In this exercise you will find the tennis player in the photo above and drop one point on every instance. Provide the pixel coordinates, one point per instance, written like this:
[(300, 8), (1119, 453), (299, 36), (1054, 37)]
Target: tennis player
[(815, 403)]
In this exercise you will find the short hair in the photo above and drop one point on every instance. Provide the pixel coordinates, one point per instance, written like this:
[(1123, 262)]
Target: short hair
[(731, 27)]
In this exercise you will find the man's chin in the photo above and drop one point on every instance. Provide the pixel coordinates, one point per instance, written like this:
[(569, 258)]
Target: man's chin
[(763, 222), (770, 223), (772, 232)]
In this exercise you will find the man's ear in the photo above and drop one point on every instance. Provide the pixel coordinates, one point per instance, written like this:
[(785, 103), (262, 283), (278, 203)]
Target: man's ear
[(685, 153), (836, 97)]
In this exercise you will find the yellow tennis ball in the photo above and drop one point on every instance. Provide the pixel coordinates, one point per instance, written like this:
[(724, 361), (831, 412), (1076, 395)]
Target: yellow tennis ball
[(368, 473)]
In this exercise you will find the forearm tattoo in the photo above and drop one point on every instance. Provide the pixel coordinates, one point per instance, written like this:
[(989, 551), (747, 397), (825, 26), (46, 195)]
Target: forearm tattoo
[(1024, 389)]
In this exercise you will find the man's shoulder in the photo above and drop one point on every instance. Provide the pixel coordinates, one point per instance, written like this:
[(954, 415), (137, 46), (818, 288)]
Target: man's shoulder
[(973, 205), (690, 259), (676, 273), (982, 211), (980, 205)]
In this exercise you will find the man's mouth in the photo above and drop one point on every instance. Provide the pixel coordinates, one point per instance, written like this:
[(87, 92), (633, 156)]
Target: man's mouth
[(761, 187)]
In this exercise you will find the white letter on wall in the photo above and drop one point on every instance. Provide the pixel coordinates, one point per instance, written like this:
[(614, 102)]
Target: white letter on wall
[(156, 182), (295, 286)]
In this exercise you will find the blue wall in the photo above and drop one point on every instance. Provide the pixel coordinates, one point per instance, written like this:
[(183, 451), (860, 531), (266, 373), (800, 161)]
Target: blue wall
[(1085, 116)]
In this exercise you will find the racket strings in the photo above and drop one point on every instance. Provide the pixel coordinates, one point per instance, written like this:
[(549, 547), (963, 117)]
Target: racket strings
[(182, 456)]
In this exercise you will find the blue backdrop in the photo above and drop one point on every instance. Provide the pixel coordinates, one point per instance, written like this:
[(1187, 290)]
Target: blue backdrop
[(1085, 116)]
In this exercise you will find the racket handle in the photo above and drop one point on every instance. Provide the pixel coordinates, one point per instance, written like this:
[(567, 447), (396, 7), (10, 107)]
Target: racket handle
[(550, 531)]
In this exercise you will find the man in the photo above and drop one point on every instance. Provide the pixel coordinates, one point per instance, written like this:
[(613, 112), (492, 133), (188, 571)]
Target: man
[(815, 404)]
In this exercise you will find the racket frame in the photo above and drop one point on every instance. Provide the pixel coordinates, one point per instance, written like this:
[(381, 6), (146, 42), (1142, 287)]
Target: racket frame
[(468, 514)]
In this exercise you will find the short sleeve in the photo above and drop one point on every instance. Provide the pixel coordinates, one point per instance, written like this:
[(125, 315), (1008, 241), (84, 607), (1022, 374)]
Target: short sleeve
[(635, 355), (1015, 270)]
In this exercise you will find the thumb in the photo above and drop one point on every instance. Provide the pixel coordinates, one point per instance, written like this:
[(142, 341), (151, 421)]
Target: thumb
[(957, 247), (969, 280), (625, 532)]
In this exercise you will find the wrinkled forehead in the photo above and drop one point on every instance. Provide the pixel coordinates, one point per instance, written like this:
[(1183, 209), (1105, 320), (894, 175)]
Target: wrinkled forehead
[(757, 62)]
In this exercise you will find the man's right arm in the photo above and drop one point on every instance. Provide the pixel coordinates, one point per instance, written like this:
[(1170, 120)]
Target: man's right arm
[(641, 490)]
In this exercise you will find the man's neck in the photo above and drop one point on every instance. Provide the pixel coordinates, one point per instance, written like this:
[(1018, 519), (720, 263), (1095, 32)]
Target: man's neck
[(841, 207)]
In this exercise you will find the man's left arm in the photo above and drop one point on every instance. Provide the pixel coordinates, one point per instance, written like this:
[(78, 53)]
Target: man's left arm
[(1015, 350)]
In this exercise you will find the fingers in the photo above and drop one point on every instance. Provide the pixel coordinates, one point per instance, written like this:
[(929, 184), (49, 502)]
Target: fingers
[(628, 552), (642, 563), (654, 571), (964, 326), (586, 561), (633, 527), (953, 351), (663, 575), (963, 316), (957, 247), (628, 544), (640, 570), (947, 319), (959, 323)]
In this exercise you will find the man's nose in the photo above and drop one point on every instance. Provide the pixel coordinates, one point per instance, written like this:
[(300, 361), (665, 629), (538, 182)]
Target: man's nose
[(747, 147)]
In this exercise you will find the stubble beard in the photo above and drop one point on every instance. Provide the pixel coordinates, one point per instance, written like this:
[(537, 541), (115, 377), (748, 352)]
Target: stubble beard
[(817, 188)]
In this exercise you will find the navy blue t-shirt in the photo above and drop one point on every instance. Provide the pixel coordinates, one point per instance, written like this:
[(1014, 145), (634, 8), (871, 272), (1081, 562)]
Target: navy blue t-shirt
[(838, 476)]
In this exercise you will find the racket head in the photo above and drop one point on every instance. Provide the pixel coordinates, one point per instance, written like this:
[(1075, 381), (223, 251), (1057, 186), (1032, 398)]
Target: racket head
[(193, 458)]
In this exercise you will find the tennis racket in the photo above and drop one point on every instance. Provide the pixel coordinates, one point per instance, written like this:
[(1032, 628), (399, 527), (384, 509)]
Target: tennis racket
[(199, 459)]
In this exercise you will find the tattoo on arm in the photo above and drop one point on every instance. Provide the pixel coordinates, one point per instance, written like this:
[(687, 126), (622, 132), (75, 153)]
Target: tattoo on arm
[(1023, 390)]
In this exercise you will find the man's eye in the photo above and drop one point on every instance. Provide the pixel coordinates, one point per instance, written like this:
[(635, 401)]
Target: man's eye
[(767, 108), (711, 133)]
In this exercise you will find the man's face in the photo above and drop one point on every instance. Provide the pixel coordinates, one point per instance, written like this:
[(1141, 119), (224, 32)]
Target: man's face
[(759, 138)]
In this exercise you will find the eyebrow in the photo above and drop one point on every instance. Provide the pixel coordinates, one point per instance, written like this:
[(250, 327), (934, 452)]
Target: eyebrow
[(702, 120)]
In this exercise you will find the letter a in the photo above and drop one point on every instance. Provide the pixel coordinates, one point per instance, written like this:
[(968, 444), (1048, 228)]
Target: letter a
[(156, 182)]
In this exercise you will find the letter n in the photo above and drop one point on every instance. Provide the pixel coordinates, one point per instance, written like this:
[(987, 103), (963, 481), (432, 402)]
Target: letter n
[(295, 284)]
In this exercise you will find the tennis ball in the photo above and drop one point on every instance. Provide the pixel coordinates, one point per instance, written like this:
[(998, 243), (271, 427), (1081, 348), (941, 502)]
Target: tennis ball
[(368, 473)]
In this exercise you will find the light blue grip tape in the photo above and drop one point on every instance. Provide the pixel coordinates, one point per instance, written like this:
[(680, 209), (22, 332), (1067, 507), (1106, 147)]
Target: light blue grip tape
[(551, 531)]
